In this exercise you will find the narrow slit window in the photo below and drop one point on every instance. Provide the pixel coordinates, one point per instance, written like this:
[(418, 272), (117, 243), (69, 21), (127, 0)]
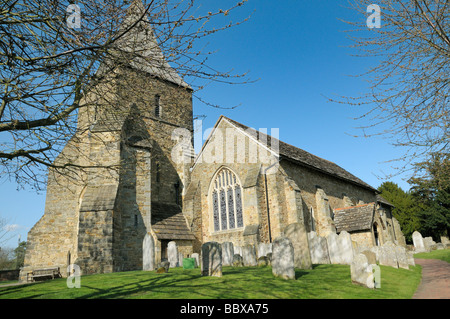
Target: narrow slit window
[(157, 106)]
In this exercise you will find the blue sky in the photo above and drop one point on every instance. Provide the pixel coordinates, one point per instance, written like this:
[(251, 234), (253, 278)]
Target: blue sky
[(299, 52)]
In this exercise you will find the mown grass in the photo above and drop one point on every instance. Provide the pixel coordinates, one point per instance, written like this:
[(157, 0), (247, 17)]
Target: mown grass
[(443, 254), (321, 282)]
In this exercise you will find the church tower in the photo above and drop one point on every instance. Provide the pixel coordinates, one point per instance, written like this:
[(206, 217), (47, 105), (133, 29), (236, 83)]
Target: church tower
[(129, 127)]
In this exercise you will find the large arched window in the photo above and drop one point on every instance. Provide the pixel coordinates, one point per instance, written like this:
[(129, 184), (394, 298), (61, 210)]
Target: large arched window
[(227, 201)]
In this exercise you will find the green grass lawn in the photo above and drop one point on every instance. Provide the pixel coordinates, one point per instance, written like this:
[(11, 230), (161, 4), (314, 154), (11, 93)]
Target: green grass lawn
[(443, 254), (323, 281)]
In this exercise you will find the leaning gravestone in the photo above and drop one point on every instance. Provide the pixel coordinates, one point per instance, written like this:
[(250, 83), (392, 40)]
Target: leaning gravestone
[(227, 254), (361, 271), (333, 248), (402, 258), (388, 256), (283, 258), (211, 259), (318, 249), (297, 235), (148, 253), (249, 255), (172, 254), (346, 248), (419, 245), (429, 243)]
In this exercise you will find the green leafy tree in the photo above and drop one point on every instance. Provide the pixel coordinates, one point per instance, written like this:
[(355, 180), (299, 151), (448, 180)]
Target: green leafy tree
[(405, 211), (19, 254), (432, 191)]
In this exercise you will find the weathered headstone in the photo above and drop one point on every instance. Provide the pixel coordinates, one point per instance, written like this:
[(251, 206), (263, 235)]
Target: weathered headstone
[(296, 233), (346, 248), (172, 254), (263, 261), (333, 248), (419, 245), (237, 250), (371, 257), (249, 255), (163, 265), (318, 249), (197, 259), (440, 246), (211, 264), (376, 251), (429, 243), (402, 259), (410, 258), (237, 261), (148, 253), (180, 259), (227, 253), (264, 249), (361, 271), (388, 256), (283, 258)]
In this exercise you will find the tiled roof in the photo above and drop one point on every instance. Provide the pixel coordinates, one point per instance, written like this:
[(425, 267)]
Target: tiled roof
[(383, 200), (354, 218), (303, 157), (168, 222)]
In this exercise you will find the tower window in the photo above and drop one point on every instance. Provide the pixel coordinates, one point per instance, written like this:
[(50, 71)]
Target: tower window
[(157, 106)]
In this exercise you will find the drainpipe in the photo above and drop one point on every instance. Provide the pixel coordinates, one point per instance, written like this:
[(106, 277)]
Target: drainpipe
[(267, 198)]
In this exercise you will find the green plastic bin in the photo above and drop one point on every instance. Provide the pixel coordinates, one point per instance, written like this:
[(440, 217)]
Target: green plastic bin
[(188, 263)]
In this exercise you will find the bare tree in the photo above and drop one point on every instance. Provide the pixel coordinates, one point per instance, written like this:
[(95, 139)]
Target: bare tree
[(409, 88), (48, 63)]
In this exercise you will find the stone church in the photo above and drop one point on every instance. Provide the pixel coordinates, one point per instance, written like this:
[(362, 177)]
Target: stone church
[(140, 180)]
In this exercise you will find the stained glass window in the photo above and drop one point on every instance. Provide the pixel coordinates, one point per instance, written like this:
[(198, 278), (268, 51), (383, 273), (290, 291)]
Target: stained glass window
[(216, 211), (227, 201), (239, 218)]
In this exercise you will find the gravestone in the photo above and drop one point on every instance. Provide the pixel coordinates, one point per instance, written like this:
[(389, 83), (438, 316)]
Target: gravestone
[(172, 254), (264, 249), (419, 245), (346, 248), (429, 244), (237, 250), (361, 271), (283, 258), (376, 251), (263, 261), (237, 261), (211, 264), (388, 257), (318, 248), (410, 258), (402, 259), (197, 259), (296, 233), (333, 248), (180, 259), (227, 254), (249, 255), (163, 265), (371, 257), (148, 253)]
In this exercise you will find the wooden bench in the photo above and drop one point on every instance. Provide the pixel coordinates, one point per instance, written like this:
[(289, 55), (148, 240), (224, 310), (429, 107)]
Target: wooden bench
[(45, 272)]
